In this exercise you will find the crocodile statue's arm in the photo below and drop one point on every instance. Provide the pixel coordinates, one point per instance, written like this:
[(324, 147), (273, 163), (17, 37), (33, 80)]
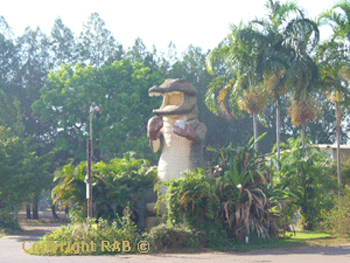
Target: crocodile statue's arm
[(154, 135)]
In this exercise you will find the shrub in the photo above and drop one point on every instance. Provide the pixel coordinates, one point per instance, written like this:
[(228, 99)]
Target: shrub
[(103, 234), (191, 201), (345, 173), (234, 198), (310, 180), (337, 220), (165, 237), (115, 184), (8, 220), (248, 201)]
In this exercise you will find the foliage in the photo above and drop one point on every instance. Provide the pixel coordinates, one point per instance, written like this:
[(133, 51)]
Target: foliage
[(120, 89), (96, 42), (115, 184), (240, 83), (191, 201), (303, 111), (120, 230), (246, 197), (8, 219), (345, 172), (95, 70), (16, 175), (337, 220), (167, 236), (235, 196), (310, 179), (338, 18)]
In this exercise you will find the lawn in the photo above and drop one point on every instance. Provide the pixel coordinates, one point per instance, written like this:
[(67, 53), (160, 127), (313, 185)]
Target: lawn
[(300, 238)]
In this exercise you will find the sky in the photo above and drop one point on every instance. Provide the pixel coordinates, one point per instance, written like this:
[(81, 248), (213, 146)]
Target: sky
[(201, 23)]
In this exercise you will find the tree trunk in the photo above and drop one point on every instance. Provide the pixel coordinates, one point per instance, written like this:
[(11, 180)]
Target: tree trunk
[(36, 207), (337, 135), (54, 214), (303, 129), (29, 214), (278, 129), (255, 128)]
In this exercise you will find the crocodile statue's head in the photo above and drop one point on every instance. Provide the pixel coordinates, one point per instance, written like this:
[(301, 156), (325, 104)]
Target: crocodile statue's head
[(179, 98)]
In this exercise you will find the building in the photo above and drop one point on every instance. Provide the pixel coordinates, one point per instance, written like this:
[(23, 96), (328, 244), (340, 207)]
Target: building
[(331, 151)]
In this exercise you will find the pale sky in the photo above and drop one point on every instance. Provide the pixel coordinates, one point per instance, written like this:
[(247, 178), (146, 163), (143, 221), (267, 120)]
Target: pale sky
[(201, 23)]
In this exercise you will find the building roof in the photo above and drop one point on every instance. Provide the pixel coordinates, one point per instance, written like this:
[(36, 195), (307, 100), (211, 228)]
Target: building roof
[(332, 146)]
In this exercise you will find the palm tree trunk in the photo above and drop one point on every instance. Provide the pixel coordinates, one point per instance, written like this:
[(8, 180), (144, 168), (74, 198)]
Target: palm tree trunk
[(278, 129), (337, 135), (303, 129), (255, 128)]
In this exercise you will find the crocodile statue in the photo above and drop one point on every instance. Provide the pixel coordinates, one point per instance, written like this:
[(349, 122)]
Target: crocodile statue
[(176, 128)]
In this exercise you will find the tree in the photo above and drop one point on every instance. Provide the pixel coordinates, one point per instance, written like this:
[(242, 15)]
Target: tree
[(96, 42), (302, 74), (8, 61), (34, 68), (302, 111), (242, 84), (122, 92), (334, 64), (63, 45), (274, 60), (338, 18), (15, 178), (5, 29)]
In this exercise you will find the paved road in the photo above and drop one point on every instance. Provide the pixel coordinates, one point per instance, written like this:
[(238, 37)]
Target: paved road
[(11, 252)]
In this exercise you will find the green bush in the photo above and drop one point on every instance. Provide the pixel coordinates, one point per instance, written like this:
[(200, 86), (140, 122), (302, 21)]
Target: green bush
[(232, 199), (115, 185), (337, 220), (191, 201), (310, 181), (345, 173), (117, 237), (249, 203), (165, 237), (8, 220)]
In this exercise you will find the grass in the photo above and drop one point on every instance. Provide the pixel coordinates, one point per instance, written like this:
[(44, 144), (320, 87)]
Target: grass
[(41, 222), (301, 238)]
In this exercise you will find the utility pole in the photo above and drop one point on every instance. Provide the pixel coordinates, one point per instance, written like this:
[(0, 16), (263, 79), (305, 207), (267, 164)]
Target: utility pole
[(89, 181), (94, 107)]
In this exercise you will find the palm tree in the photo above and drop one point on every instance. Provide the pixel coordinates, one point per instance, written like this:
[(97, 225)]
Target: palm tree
[(338, 18), (240, 84), (334, 64), (274, 60), (334, 70), (302, 75), (285, 63), (302, 111)]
